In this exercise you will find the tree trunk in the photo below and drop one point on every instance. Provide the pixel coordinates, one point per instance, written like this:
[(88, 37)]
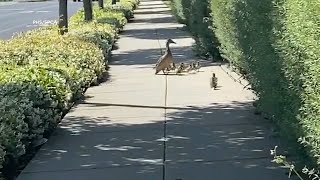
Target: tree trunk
[(63, 16), (87, 6), (101, 4), (114, 1)]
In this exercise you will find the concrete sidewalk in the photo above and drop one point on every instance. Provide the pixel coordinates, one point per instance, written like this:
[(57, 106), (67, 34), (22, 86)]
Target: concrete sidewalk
[(128, 128)]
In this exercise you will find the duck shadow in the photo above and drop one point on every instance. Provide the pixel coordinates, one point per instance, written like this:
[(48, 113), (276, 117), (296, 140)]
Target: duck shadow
[(171, 74), (181, 74), (217, 88)]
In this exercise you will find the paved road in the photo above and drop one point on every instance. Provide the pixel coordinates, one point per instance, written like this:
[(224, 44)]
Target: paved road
[(142, 126), (23, 16)]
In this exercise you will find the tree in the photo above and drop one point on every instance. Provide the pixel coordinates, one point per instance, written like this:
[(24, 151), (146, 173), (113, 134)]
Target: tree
[(114, 1), (63, 16), (87, 6)]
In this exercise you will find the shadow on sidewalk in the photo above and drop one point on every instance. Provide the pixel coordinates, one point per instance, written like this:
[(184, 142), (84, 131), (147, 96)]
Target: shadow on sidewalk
[(216, 133), (150, 57), (164, 11), (167, 19), (175, 33)]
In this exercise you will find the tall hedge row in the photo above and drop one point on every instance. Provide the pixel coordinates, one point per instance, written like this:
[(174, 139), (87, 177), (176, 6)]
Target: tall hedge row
[(298, 43), (275, 43), (196, 15), (43, 73)]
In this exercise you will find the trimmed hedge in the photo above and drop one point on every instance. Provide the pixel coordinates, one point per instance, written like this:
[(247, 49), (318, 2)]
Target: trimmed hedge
[(275, 44), (125, 7), (299, 42), (196, 15), (277, 47), (43, 73)]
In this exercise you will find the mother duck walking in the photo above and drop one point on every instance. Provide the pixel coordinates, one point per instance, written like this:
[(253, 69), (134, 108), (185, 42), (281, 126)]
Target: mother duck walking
[(166, 60)]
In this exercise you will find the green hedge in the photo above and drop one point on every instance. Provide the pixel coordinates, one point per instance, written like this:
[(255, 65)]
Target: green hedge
[(196, 15), (125, 7), (299, 42), (275, 44), (43, 73)]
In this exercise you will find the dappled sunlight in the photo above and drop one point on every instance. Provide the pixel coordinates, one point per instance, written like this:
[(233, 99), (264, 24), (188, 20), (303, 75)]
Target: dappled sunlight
[(187, 140), (125, 126), (150, 55), (151, 7), (76, 128), (88, 165), (158, 18), (148, 161), (160, 10), (108, 148), (217, 135), (102, 150), (176, 137)]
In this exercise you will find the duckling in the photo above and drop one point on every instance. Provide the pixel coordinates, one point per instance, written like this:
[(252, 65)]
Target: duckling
[(173, 67), (214, 81), (189, 68), (198, 66), (194, 66), (180, 68), (166, 59)]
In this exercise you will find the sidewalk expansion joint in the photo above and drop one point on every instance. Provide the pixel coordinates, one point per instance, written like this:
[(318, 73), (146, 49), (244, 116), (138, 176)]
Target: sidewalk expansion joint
[(165, 114), (165, 128)]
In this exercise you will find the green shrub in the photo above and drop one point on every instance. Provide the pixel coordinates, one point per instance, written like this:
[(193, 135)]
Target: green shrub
[(196, 15), (275, 43), (224, 26), (82, 60), (126, 7), (102, 30), (57, 86), (65, 65), (101, 35), (13, 129), (109, 16), (179, 11), (40, 114), (26, 112), (2, 154), (127, 4), (299, 44)]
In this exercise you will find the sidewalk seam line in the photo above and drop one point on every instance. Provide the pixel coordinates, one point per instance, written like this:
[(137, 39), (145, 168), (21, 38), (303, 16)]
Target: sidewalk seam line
[(165, 127), (165, 115)]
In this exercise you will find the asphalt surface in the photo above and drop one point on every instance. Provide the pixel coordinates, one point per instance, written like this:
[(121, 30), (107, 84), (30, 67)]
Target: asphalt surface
[(18, 17)]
